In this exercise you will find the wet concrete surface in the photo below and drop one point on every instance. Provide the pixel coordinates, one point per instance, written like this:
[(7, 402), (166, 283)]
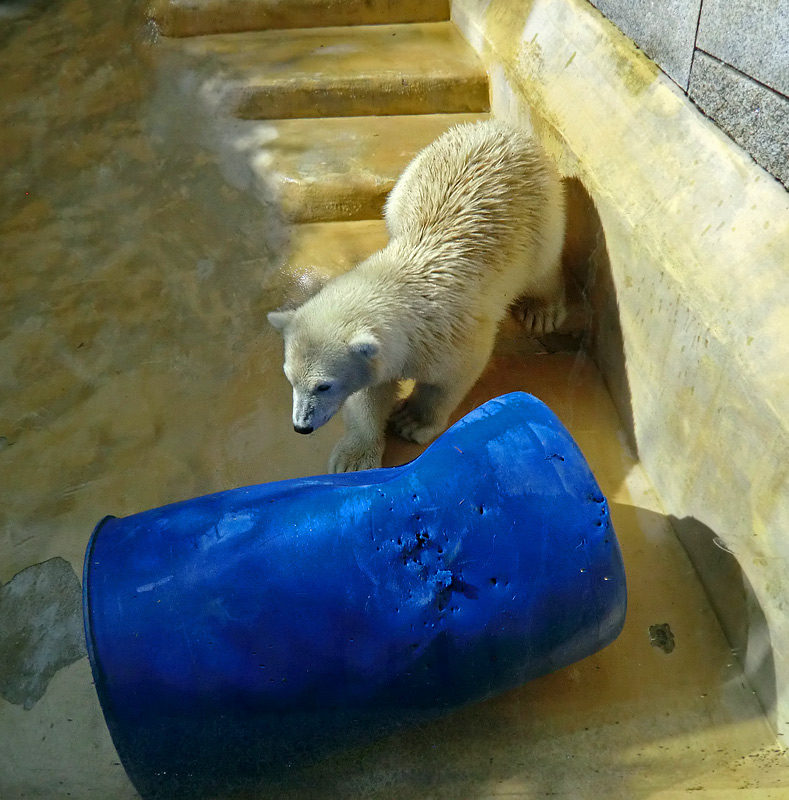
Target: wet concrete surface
[(40, 629)]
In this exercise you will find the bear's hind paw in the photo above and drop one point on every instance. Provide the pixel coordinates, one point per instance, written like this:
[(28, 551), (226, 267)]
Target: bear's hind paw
[(539, 318)]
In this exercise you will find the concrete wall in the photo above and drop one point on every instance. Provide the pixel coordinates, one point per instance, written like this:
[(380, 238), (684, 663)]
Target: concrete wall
[(730, 56), (682, 244)]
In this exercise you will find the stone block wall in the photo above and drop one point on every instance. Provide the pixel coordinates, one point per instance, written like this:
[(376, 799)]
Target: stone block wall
[(731, 57)]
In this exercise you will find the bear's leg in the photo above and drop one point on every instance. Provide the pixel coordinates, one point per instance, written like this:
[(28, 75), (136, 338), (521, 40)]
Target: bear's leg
[(365, 414), (425, 414), (542, 307)]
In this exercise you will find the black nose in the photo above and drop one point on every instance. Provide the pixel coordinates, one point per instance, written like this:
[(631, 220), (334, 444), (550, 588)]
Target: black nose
[(300, 429)]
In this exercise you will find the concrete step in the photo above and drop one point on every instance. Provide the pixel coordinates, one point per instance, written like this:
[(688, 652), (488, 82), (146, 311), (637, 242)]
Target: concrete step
[(323, 250), (339, 168), (423, 68), (319, 252), (198, 17)]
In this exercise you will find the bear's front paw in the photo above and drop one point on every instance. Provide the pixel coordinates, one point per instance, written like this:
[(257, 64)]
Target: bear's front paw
[(409, 424), (352, 455)]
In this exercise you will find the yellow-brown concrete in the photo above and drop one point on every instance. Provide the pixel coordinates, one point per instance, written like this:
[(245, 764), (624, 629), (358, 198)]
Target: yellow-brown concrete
[(422, 68), (326, 250), (341, 168), (317, 253), (196, 17)]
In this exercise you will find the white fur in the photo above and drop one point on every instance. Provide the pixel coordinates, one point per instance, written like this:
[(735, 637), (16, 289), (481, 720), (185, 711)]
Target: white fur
[(476, 221)]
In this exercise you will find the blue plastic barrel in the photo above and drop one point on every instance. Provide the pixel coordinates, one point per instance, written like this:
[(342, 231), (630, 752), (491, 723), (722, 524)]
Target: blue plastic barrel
[(234, 635)]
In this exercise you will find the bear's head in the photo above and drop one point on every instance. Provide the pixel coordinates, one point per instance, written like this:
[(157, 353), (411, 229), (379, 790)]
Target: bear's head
[(326, 361)]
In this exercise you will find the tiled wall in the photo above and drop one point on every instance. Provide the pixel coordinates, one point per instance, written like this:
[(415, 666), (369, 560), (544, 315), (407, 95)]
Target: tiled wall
[(730, 56)]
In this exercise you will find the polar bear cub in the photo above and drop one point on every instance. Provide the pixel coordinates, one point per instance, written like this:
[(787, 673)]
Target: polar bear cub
[(476, 224)]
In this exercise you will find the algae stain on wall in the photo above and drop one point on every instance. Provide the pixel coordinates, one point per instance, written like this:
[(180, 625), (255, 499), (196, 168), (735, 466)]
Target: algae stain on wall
[(512, 33), (502, 18)]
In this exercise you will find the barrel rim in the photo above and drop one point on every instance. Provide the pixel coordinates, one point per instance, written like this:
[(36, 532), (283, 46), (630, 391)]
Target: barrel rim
[(99, 676)]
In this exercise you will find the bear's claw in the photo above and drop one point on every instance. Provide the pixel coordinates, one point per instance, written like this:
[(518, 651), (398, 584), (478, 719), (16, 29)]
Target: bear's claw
[(352, 456), (537, 318)]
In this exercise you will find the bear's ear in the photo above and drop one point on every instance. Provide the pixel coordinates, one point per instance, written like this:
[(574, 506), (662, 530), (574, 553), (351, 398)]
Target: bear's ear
[(280, 319), (365, 344)]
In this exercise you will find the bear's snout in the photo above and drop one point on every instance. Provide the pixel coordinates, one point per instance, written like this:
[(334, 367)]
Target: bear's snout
[(303, 428)]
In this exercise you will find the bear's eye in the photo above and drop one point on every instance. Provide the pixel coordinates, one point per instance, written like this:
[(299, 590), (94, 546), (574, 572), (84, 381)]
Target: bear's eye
[(323, 387)]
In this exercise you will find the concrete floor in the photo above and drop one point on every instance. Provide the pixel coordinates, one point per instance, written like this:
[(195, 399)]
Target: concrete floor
[(630, 722), (136, 371)]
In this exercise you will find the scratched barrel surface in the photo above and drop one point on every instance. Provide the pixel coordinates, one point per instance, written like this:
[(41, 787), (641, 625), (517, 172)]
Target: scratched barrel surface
[(234, 635)]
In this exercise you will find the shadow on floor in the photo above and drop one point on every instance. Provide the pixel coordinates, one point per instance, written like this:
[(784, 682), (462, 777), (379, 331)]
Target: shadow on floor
[(588, 265), (733, 600)]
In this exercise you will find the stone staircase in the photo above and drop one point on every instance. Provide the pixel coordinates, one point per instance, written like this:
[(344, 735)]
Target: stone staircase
[(199, 17), (327, 102), (331, 100)]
